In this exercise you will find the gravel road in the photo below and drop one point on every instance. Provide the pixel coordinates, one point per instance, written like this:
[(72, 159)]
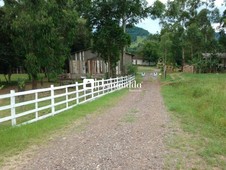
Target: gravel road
[(127, 136)]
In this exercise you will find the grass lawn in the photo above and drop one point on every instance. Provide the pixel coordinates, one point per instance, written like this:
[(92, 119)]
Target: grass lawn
[(197, 101), (16, 139), (14, 77)]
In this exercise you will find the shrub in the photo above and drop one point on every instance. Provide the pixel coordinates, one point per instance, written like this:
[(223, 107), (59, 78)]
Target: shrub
[(131, 69)]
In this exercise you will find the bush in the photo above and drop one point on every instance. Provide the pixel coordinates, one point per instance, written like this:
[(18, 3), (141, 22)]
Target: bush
[(131, 69)]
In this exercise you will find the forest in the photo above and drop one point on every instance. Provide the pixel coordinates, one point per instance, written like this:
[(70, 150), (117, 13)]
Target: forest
[(40, 35)]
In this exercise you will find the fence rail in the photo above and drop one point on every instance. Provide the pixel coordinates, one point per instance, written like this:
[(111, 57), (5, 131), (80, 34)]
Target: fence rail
[(18, 108)]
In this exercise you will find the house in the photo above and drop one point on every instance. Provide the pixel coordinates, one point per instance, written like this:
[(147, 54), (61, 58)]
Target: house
[(137, 60), (87, 63)]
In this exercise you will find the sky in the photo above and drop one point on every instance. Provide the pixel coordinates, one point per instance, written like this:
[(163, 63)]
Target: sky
[(153, 25)]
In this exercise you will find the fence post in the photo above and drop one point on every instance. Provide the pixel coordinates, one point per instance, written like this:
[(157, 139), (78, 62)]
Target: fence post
[(110, 84), (117, 83), (66, 97), (52, 99), (98, 88), (102, 83), (123, 82), (95, 83), (130, 81), (93, 88), (36, 105), (77, 93), (13, 110), (127, 81)]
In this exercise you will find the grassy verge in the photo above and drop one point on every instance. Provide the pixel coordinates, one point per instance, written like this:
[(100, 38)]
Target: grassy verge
[(14, 77), (197, 102), (17, 139)]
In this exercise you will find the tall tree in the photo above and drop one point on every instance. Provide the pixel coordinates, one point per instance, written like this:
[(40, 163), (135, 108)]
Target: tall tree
[(9, 59), (109, 37), (166, 46), (43, 32), (190, 25), (123, 12), (149, 49), (129, 12)]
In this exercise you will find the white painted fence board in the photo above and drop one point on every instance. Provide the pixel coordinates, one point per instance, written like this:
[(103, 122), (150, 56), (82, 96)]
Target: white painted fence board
[(4, 119), (43, 99), (25, 113), (100, 88), (43, 108), (32, 92), (24, 103), (5, 107), (4, 96), (59, 103), (72, 99), (59, 95)]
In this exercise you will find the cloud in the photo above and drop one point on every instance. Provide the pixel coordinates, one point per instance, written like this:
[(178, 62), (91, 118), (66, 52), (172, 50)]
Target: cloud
[(150, 2)]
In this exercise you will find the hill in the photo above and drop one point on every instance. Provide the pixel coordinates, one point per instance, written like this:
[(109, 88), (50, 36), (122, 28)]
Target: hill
[(135, 32)]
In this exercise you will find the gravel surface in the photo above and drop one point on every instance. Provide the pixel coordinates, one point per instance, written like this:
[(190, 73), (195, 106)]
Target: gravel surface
[(127, 136)]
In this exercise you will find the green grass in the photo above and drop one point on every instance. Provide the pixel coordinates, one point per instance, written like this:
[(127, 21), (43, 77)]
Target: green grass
[(16, 139), (198, 101), (140, 69), (25, 77), (14, 77)]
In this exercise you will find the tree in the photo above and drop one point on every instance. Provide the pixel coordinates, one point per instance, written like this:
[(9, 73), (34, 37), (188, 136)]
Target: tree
[(165, 47), (43, 32), (82, 39), (190, 26), (222, 39), (149, 50), (129, 12), (125, 12), (9, 59), (109, 37)]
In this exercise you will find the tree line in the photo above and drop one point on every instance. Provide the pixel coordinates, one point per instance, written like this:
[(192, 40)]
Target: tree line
[(41, 34), (187, 35)]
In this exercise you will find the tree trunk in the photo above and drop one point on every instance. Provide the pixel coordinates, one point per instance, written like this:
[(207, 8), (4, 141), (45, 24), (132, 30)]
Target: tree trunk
[(109, 67), (183, 59), (6, 79), (164, 67), (192, 55), (34, 81), (124, 48)]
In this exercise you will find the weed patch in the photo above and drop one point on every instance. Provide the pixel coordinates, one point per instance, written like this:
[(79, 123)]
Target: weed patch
[(198, 101)]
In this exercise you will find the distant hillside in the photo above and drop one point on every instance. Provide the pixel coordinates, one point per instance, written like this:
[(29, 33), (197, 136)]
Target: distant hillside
[(135, 32)]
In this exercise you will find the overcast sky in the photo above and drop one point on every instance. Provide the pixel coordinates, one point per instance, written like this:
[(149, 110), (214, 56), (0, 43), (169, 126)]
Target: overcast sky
[(153, 25)]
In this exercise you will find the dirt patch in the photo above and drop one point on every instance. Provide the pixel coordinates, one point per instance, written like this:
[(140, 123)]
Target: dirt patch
[(129, 136)]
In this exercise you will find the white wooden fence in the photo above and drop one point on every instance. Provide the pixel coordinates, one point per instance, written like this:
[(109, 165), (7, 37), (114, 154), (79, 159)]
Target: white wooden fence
[(29, 106)]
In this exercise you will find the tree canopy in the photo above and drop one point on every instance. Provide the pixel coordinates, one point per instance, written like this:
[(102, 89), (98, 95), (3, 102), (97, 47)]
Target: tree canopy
[(187, 34)]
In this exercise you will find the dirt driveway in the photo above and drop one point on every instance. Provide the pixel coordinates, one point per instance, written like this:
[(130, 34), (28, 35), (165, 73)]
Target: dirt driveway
[(128, 136)]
